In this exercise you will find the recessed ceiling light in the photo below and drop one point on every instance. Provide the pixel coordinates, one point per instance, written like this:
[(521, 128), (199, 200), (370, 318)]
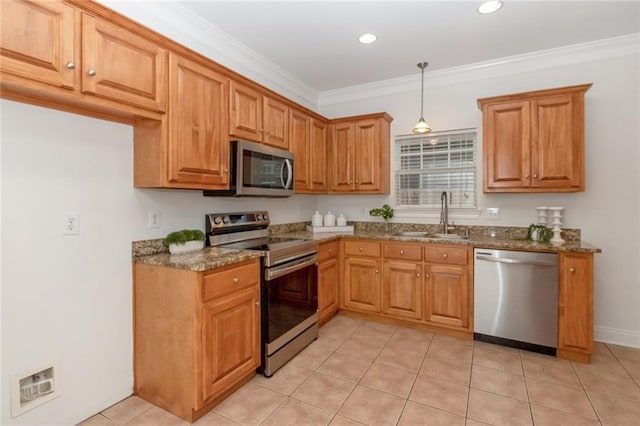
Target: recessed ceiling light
[(490, 6), (367, 38)]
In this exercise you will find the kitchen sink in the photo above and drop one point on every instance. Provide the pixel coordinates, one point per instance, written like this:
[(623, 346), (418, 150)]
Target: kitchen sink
[(417, 234)]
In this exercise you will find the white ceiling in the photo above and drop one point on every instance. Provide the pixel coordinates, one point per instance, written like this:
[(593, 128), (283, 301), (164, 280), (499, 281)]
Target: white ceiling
[(316, 41)]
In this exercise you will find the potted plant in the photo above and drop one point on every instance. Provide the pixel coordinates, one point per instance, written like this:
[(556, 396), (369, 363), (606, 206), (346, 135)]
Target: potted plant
[(184, 241), (385, 211)]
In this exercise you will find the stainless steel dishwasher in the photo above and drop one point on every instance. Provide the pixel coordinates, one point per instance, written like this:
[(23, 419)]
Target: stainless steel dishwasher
[(516, 299)]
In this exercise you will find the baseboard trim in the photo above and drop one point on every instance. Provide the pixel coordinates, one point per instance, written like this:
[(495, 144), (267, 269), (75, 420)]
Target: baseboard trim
[(617, 336)]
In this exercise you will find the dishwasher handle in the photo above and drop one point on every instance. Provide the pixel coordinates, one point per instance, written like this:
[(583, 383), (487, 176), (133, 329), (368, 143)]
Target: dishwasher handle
[(514, 261)]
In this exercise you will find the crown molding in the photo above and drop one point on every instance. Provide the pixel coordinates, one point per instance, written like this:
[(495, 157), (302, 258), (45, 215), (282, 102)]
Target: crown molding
[(517, 64), (175, 21)]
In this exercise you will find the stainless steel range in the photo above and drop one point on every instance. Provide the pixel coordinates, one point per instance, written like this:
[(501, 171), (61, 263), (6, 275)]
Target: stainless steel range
[(289, 287)]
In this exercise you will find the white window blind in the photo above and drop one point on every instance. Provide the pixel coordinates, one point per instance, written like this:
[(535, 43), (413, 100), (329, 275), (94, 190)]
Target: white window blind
[(427, 165)]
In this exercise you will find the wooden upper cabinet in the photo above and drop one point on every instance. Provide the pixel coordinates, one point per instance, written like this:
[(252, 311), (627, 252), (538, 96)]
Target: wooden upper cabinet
[(360, 154), (37, 41), (318, 156), (534, 141), (276, 123), (246, 112), (198, 138), (122, 66), (299, 124), (257, 117)]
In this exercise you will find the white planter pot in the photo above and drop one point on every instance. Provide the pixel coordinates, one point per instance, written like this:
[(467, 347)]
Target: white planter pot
[(186, 247)]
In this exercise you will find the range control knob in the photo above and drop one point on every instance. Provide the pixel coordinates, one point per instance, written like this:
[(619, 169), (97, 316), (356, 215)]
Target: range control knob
[(217, 220), (265, 217), (258, 217), (226, 219)]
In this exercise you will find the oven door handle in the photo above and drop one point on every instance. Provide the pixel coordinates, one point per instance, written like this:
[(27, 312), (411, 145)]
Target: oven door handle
[(279, 271)]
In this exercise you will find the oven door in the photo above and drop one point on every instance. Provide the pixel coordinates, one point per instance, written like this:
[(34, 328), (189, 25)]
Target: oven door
[(290, 301)]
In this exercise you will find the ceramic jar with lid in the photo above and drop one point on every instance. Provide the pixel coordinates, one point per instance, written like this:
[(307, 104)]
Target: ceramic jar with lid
[(341, 220), (316, 219), (329, 219)]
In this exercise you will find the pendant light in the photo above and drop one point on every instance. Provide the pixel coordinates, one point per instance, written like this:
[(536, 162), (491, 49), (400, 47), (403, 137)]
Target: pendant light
[(422, 126)]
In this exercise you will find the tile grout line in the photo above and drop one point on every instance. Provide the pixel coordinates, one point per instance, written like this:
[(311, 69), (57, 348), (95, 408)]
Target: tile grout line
[(575, 371)]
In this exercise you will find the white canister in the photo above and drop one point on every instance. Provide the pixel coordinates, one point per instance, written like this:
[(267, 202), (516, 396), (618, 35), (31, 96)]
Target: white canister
[(341, 220), (329, 219), (316, 219)]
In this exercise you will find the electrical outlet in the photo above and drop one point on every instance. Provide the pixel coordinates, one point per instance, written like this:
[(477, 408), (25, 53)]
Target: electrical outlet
[(71, 224), (492, 213), (153, 219)]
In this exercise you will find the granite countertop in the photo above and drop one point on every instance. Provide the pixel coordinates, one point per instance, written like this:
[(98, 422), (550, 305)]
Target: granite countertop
[(474, 241), (201, 260)]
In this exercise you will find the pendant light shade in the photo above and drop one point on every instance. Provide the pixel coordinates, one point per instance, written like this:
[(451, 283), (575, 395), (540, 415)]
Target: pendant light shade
[(422, 126)]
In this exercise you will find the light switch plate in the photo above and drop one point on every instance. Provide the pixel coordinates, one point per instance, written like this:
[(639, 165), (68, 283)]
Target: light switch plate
[(492, 213)]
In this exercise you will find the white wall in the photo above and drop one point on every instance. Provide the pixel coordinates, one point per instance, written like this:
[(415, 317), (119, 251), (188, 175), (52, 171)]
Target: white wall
[(607, 212), (68, 299)]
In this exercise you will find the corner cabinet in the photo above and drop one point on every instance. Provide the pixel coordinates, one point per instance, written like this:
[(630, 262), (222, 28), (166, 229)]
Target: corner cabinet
[(534, 141), (196, 335), (359, 154), (362, 277)]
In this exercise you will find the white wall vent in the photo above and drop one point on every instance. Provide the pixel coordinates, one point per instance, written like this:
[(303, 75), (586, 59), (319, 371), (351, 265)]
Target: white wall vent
[(32, 389)]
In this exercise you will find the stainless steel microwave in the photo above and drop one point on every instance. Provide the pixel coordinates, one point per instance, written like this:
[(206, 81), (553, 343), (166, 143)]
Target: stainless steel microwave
[(258, 171)]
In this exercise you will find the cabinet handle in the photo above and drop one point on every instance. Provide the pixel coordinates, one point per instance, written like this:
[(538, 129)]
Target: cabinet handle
[(257, 303), (91, 72), (535, 176), (361, 249), (401, 251), (572, 270), (444, 255), (357, 181), (426, 275), (351, 181), (377, 271), (526, 176), (226, 170), (71, 65), (261, 130), (236, 280), (417, 275), (330, 250)]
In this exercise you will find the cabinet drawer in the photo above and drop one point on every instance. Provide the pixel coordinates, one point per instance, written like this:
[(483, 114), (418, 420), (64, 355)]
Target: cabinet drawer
[(327, 250), (362, 248), (220, 283), (403, 251), (446, 254)]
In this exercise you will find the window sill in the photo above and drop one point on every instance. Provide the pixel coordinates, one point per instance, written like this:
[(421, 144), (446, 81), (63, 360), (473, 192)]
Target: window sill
[(417, 213)]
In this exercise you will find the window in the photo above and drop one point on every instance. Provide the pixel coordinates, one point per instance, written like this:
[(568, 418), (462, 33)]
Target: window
[(427, 165)]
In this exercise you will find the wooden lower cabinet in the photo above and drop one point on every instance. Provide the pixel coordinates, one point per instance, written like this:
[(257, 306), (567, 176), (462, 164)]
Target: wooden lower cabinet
[(447, 295), (575, 306), (402, 289), (328, 277), (196, 335), (362, 283)]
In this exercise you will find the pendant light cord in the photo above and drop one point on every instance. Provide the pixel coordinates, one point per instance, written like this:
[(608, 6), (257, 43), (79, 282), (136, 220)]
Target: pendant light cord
[(422, 93)]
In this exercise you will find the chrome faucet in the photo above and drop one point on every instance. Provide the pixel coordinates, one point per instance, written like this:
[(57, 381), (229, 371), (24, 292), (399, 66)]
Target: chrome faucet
[(444, 212)]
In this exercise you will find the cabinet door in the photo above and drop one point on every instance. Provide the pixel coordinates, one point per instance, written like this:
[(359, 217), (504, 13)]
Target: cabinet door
[(231, 340), (402, 289), (342, 146), (448, 295), (299, 141), (367, 156), (362, 284), (327, 288), (198, 144), (37, 41), (556, 143), (575, 303), (121, 66), (246, 112), (506, 145), (276, 123), (318, 156)]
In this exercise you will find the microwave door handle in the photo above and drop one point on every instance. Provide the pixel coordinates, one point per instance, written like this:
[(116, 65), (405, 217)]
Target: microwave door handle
[(282, 174), (289, 173)]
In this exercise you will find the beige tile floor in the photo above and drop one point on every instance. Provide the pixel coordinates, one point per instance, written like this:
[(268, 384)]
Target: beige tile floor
[(361, 372)]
